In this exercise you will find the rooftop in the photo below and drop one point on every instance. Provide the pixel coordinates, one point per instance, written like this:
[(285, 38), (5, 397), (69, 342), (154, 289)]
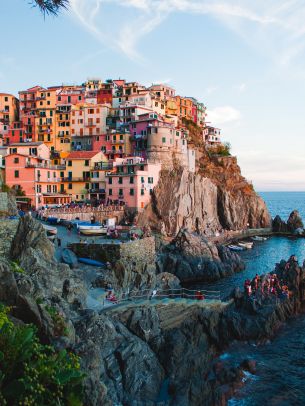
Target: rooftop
[(82, 154)]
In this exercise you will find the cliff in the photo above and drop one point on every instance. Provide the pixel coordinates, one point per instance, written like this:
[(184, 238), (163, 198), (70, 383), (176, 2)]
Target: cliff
[(133, 353), (214, 198)]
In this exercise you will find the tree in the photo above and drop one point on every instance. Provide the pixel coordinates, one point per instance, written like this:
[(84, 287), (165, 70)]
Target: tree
[(51, 6)]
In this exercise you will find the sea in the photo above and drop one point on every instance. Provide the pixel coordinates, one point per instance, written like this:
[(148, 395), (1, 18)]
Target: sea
[(280, 378)]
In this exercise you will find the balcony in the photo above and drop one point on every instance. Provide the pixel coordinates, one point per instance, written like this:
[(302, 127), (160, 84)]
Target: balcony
[(68, 179), (103, 166), (96, 190), (51, 167)]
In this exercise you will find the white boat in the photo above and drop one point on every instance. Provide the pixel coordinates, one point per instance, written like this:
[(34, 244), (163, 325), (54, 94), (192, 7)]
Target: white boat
[(92, 230), (235, 248), (49, 229), (247, 245), (258, 238)]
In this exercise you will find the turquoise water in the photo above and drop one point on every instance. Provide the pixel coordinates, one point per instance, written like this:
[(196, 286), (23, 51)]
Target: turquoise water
[(283, 203), (280, 374)]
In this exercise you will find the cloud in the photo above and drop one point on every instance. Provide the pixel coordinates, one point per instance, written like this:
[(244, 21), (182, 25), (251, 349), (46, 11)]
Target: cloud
[(241, 88), (222, 115), (284, 17)]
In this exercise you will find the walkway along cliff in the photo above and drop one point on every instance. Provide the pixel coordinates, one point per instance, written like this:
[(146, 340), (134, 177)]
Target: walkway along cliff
[(133, 353)]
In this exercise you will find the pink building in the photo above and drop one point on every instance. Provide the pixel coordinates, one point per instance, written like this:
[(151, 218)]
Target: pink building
[(15, 134), (132, 181), (88, 119), (69, 95), (28, 167)]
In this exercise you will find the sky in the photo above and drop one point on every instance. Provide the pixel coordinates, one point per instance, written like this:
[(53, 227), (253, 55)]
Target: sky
[(244, 59)]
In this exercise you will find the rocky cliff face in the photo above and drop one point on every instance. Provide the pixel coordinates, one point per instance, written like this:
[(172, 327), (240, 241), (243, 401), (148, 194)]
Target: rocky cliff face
[(134, 352), (214, 198), (192, 258)]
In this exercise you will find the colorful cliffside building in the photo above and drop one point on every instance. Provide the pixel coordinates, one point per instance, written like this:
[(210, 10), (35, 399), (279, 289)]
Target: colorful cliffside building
[(100, 140), (28, 167)]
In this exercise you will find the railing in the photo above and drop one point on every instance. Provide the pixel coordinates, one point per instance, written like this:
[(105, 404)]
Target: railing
[(198, 295), (68, 179), (51, 167)]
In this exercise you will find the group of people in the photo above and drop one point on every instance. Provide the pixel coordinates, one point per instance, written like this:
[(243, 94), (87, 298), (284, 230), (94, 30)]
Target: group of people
[(110, 296), (267, 285)]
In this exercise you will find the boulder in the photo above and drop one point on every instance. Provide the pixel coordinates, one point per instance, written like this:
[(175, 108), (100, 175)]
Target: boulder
[(278, 225), (294, 221), (192, 258)]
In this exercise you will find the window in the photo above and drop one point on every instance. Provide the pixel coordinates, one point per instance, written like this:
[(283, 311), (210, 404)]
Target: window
[(131, 192), (163, 140), (131, 179), (87, 186), (110, 181), (120, 192), (16, 174), (54, 188), (142, 192), (70, 186), (110, 192), (16, 160), (69, 163), (150, 180), (59, 98), (87, 162), (142, 179), (120, 181), (150, 191)]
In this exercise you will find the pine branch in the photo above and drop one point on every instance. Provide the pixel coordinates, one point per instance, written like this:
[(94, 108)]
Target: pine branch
[(51, 6)]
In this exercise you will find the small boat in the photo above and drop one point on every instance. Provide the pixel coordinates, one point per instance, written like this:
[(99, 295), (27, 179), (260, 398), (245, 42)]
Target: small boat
[(235, 248), (247, 245), (49, 229), (92, 230), (53, 220), (259, 238), (89, 261), (69, 258)]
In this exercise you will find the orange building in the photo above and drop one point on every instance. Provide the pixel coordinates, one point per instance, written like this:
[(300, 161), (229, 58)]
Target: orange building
[(184, 107)]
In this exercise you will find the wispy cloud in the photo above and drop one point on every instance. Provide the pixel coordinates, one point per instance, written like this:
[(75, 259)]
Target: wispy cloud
[(275, 26), (224, 114)]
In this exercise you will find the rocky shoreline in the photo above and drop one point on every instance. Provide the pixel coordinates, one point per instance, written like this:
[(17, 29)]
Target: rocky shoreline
[(133, 353)]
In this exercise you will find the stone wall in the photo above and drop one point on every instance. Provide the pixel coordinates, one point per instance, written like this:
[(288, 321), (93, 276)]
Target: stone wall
[(3, 202), (132, 263), (139, 250)]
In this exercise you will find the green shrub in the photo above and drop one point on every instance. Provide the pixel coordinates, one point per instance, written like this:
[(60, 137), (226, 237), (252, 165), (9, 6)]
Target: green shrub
[(58, 320), (33, 374), (15, 267), (5, 188)]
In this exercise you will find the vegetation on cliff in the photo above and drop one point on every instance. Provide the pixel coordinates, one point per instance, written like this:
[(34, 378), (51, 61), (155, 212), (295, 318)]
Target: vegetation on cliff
[(32, 373)]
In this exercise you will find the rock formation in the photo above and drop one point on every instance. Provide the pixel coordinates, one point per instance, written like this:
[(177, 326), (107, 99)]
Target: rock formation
[(294, 224), (214, 198), (134, 352), (192, 258)]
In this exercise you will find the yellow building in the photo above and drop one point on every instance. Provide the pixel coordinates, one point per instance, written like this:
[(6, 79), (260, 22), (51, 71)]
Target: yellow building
[(45, 123), (77, 176), (171, 108)]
